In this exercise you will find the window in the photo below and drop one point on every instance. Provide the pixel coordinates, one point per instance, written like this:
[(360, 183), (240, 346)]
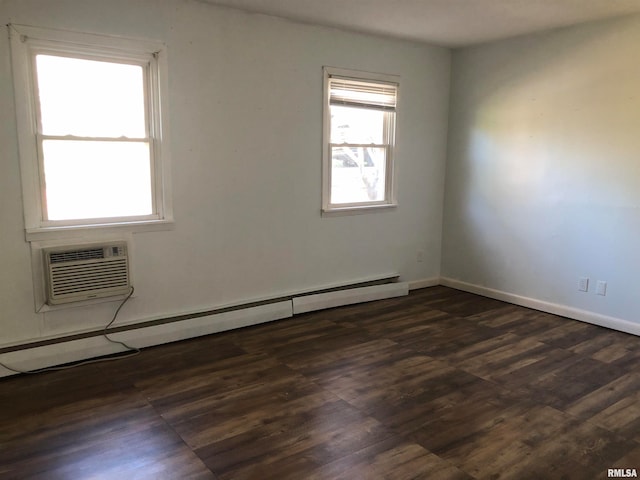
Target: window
[(90, 129), (359, 129)]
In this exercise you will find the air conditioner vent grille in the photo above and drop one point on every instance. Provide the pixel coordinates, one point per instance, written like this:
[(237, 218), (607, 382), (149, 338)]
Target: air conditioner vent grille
[(85, 278), (76, 255), (85, 273)]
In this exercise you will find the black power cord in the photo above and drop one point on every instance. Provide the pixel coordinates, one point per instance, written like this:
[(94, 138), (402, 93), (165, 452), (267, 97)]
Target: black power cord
[(133, 350)]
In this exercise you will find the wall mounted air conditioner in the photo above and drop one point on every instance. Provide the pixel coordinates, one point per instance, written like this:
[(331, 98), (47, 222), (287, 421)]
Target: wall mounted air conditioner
[(76, 273)]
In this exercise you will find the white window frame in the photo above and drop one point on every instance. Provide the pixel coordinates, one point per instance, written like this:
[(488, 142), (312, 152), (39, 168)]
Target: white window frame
[(390, 198), (26, 43)]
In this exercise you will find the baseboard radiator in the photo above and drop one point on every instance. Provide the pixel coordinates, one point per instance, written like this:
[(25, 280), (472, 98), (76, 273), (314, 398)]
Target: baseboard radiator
[(81, 346), (321, 301)]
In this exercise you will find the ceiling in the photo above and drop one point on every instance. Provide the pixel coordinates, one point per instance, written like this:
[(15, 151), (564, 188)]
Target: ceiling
[(451, 23)]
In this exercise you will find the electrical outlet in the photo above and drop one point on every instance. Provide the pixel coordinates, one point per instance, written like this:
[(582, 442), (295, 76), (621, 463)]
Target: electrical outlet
[(420, 256), (583, 284), (601, 288)]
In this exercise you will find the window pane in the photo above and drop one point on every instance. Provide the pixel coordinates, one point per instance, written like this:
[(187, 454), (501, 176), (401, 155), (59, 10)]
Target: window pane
[(357, 125), (88, 98), (357, 174), (86, 179)]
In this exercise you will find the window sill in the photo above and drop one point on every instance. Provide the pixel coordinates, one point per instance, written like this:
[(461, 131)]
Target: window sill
[(74, 231), (356, 210)]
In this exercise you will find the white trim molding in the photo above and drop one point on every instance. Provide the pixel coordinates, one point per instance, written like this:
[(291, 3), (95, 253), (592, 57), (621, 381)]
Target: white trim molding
[(310, 303), (27, 42), (47, 352), (56, 353), (548, 307), (91, 347), (385, 99)]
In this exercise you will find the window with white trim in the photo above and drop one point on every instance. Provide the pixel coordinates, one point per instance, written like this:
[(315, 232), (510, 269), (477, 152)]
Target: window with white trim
[(359, 133), (90, 129)]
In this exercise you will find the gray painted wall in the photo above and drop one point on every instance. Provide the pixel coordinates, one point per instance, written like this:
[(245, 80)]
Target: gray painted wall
[(543, 172), (245, 136)]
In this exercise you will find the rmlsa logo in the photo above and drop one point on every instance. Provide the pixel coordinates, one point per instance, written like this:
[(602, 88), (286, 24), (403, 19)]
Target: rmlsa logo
[(622, 473)]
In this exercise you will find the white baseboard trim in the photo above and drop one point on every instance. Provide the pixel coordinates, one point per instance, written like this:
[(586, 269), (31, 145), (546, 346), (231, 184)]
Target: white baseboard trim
[(95, 346), (75, 350), (548, 307), (196, 327), (424, 283), (310, 303), (203, 322)]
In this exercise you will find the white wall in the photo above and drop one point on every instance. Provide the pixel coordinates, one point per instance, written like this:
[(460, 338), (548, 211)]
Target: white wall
[(543, 174), (245, 112)]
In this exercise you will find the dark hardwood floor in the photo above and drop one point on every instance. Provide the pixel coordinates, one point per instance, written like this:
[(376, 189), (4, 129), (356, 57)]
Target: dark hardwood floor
[(437, 385)]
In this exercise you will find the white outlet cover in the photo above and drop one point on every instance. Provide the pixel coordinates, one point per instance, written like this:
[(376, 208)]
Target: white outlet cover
[(601, 288), (583, 284)]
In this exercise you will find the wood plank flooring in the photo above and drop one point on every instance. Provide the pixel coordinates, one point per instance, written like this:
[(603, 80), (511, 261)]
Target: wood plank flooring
[(441, 384)]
